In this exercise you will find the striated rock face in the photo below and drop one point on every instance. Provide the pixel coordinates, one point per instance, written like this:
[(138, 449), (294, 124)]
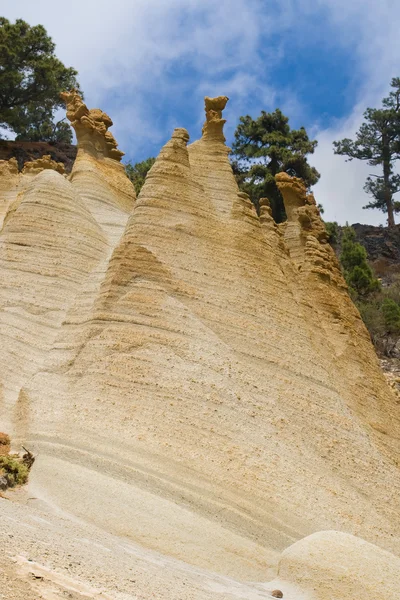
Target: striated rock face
[(9, 183), (49, 244), (197, 374), (336, 565)]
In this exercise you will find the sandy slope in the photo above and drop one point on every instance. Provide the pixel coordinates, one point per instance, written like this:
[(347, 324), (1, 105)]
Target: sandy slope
[(78, 558)]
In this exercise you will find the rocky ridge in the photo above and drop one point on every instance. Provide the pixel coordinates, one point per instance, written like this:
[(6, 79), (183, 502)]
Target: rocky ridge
[(194, 378)]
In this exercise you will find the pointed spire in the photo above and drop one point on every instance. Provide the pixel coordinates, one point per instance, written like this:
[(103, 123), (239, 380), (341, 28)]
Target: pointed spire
[(173, 159)]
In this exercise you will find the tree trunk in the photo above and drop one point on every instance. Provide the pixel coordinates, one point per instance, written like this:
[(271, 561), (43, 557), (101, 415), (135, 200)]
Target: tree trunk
[(387, 192)]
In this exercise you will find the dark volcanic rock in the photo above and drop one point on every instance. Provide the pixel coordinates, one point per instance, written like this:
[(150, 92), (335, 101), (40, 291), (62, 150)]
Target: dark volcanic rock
[(26, 151), (381, 243)]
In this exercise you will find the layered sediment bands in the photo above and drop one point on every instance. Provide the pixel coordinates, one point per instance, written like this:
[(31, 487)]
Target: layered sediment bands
[(106, 194), (9, 183), (13, 182), (208, 348), (48, 245), (210, 368), (324, 291), (97, 174), (101, 182), (347, 568)]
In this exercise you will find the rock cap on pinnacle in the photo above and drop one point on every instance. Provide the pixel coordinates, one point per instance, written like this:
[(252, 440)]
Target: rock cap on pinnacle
[(214, 124), (91, 126)]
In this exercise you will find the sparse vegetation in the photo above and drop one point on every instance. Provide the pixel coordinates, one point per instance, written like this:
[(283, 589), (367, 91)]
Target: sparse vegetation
[(357, 272), (381, 315), (137, 172), (379, 305), (14, 470), (332, 228), (391, 315)]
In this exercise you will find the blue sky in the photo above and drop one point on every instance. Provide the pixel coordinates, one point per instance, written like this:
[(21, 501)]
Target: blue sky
[(149, 63)]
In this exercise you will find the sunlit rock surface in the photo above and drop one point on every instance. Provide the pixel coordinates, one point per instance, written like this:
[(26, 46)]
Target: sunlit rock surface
[(194, 378)]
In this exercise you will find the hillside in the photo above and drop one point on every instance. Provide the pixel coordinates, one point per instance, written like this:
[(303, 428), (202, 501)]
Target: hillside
[(383, 247), (208, 412)]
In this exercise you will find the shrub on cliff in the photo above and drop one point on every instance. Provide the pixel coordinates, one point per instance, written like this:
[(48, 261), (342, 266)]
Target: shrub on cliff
[(14, 471), (391, 315), (357, 271), (381, 316), (372, 316), (332, 229)]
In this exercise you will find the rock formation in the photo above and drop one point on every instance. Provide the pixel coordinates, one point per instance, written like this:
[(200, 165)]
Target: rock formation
[(196, 375)]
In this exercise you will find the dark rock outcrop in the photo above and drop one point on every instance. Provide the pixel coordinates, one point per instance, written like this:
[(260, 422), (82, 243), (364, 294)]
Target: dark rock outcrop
[(28, 151)]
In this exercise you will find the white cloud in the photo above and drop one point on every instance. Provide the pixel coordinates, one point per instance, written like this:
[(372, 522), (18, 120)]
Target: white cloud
[(132, 57), (126, 53), (374, 26), (340, 189)]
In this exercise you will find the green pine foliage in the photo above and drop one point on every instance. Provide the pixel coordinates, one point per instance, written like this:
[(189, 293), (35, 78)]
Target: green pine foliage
[(372, 315), (391, 315), (137, 172), (31, 79), (40, 127), (264, 147), (379, 307), (356, 269), (332, 229), (381, 316)]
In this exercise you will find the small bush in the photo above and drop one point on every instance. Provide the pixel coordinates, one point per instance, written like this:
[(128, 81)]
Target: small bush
[(13, 470), (391, 314), (356, 269), (372, 316), (332, 229), (393, 290), (4, 443)]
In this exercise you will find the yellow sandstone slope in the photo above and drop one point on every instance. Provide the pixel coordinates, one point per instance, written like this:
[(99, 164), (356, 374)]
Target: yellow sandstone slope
[(194, 377)]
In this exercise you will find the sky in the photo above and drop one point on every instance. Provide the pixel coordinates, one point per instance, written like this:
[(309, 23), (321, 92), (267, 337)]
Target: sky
[(149, 63)]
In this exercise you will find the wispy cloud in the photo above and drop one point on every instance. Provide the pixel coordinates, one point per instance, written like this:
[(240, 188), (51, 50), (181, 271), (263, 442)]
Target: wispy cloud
[(149, 62)]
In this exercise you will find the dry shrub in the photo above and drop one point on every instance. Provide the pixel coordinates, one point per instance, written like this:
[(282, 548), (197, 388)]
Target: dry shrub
[(13, 470), (382, 267), (4, 443)]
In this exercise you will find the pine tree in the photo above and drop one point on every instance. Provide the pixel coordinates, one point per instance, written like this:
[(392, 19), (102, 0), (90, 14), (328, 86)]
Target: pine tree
[(391, 315), (266, 146), (31, 79), (137, 172), (378, 142)]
